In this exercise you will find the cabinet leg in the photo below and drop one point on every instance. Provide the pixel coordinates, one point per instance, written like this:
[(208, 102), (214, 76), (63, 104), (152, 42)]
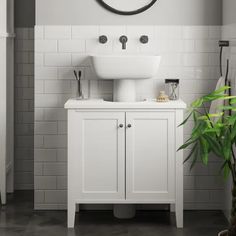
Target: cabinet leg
[(77, 207), (10, 181), (3, 191), (179, 216), (3, 197), (172, 208), (179, 203), (71, 215)]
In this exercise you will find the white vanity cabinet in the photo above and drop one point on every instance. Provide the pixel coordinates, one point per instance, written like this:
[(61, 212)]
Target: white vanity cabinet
[(125, 153)]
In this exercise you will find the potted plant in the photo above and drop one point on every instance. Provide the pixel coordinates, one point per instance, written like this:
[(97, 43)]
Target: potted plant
[(215, 133)]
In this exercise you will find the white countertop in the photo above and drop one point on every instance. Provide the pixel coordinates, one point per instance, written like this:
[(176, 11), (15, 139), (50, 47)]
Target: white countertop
[(100, 104)]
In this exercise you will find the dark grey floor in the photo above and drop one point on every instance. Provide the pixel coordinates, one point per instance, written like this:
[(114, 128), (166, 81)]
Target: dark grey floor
[(18, 218)]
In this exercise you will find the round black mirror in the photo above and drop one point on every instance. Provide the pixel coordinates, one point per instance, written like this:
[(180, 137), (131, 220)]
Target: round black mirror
[(127, 7)]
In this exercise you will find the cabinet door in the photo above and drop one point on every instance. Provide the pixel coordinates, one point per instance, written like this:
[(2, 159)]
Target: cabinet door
[(97, 154), (150, 156)]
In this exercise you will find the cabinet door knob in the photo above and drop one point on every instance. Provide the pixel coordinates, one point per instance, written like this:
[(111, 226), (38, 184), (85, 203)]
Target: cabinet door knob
[(121, 125), (129, 125)]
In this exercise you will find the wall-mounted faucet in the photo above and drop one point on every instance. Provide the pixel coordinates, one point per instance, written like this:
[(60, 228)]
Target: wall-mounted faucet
[(102, 39), (123, 40)]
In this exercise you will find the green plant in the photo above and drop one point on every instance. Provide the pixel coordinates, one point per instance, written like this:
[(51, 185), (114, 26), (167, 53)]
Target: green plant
[(214, 133)]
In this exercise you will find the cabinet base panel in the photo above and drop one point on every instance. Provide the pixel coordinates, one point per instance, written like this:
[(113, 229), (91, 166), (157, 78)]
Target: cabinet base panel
[(124, 202), (72, 211)]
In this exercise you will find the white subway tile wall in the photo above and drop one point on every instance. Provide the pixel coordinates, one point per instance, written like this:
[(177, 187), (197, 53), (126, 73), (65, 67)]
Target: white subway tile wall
[(188, 53), (24, 108)]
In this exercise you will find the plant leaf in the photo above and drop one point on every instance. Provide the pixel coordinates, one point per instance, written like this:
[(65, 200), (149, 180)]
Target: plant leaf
[(198, 130), (197, 103), (233, 132), (196, 154), (233, 101), (227, 146), (226, 108), (184, 122), (226, 170), (210, 98), (227, 98), (214, 145), (195, 116), (186, 144), (191, 153), (212, 130), (220, 90), (232, 119), (204, 150), (206, 117)]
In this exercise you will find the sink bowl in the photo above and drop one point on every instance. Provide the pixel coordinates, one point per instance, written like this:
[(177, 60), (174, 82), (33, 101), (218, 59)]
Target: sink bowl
[(124, 70), (125, 66)]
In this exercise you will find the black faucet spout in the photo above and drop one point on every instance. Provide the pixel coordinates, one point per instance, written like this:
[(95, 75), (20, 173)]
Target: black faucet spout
[(123, 40)]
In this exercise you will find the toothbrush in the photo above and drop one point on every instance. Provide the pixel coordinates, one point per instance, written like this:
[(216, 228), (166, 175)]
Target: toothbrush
[(75, 73), (79, 88)]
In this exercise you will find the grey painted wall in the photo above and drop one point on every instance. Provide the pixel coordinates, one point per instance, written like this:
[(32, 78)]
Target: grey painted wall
[(24, 13), (164, 12), (229, 8)]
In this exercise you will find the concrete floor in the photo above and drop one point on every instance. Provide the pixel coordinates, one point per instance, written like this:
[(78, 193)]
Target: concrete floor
[(19, 219)]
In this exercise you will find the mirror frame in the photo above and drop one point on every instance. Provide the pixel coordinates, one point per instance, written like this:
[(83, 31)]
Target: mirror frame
[(140, 10)]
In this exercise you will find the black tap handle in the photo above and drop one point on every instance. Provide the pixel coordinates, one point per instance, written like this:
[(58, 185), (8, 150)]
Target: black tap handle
[(144, 39), (103, 39)]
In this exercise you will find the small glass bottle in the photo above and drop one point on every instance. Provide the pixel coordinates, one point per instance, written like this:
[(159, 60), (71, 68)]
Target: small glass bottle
[(172, 88)]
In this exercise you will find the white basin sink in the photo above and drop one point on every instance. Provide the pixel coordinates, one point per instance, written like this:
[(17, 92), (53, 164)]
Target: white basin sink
[(125, 66), (124, 70)]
